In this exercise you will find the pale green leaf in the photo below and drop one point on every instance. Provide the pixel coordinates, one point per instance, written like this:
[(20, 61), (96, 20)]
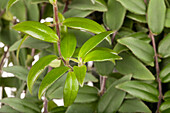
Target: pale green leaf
[(10, 3), (165, 74)]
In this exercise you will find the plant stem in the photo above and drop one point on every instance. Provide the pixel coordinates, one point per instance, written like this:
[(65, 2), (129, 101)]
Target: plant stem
[(66, 6), (113, 36), (2, 12), (102, 84), (45, 105), (157, 72), (3, 59)]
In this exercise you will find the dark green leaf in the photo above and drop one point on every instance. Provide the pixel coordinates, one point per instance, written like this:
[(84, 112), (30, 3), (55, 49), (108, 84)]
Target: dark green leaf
[(7, 109), (130, 65), (77, 13), (50, 78), (90, 77), (68, 45), (9, 81), (80, 72), (164, 47), (71, 88), (141, 90), (39, 1), (93, 42), (165, 74), (135, 6), (133, 106), (37, 69), (10, 3), (167, 96), (138, 18), (112, 21), (165, 107), (167, 19), (141, 49), (18, 71), (113, 98), (156, 15), (37, 30)]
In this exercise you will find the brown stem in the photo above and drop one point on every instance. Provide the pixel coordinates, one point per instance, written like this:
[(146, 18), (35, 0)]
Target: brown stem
[(45, 105), (113, 36), (157, 72), (102, 84), (145, 2), (42, 10), (66, 6), (2, 12), (3, 59)]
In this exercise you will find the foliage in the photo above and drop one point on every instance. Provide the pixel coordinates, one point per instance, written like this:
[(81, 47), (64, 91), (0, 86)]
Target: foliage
[(127, 41)]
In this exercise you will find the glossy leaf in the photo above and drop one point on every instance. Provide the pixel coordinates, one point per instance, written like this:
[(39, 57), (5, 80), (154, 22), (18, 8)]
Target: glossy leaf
[(21, 105), (50, 78), (88, 5), (68, 45), (135, 6), (37, 30), (165, 107), (133, 106), (10, 3), (167, 18), (101, 55), (167, 96), (138, 18), (84, 24), (156, 15), (112, 21), (140, 90), (163, 47), (71, 88), (87, 94), (37, 69), (113, 98), (165, 74), (18, 71), (92, 42), (130, 65), (80, 72), (141, 49)]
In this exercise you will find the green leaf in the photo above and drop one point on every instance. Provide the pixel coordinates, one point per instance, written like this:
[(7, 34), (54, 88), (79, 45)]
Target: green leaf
[(113, 98), (164, 47), (133, 106), (30, 43), (7, 109), (84, 24), (87, 94), (21, 105), (135, 6), (138, 18), (101, 55), (50, 78), (165, 107), (92, 43), (18, 71), (9, 82), (39, 1), (140, 90), (10, 3), (130, 65), (112, 21), (90, 77), (156, 15), (88, 5), (165, 74), (37, 30), (167, 19), (80, 72), (167, 96), (141, 49), (77, 13), (68, 45), (71, 88), (37, 69)]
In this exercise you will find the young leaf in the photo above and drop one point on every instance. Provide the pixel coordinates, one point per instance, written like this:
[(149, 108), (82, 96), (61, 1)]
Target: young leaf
[(165, 74), (37, 69), (101, 55), (113, 98), (84, 24), (135, 6), (141, 49), (112, 21), (156, 15), (71, 88), (141, 90), (68, 45), (80, 73), (37, 30), (163, 48), (130, 65), (165, 107), (93, 42), (10, 3), (50, 78), (133, 106)]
